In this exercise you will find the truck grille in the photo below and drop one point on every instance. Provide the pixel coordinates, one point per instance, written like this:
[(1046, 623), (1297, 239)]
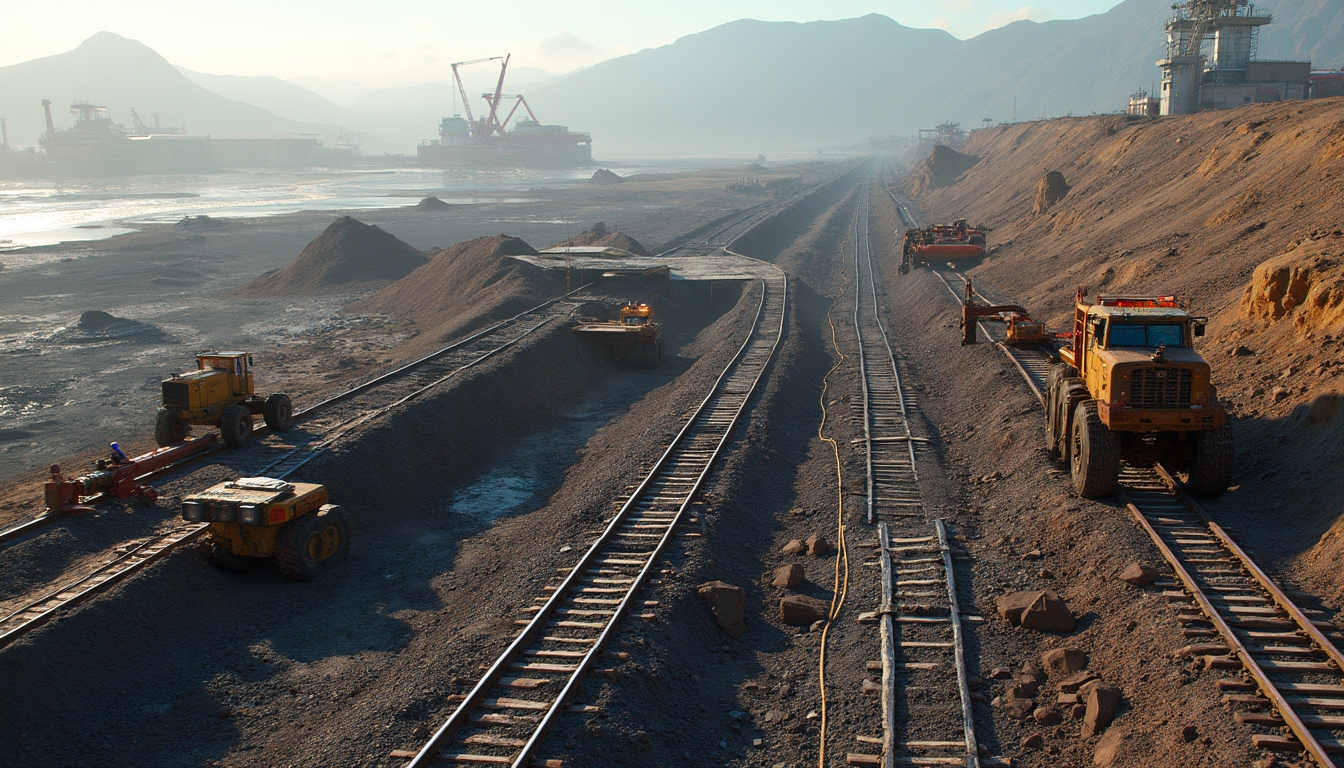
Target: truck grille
[(1160, 388), (176, 394)]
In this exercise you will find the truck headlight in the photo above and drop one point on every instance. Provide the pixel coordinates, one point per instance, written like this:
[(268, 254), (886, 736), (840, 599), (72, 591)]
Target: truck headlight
[(193, 511), (249, 514)]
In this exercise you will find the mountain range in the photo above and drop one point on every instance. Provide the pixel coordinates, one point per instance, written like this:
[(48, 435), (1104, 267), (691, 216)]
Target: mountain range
[(741, 87)]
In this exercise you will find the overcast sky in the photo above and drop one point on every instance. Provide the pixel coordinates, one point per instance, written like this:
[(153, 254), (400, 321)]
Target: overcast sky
[(405, 42)]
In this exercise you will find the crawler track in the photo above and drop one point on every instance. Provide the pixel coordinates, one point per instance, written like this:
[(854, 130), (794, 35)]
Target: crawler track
[(919, 617), (1287, 672), (505, 717)]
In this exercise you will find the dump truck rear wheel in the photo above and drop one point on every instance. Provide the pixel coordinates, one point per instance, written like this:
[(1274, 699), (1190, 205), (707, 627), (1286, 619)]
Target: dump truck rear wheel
[(1210, 470), (235, 426), (1094, 453), (278, 413), (220, 554), (313, 544), (167, 430)]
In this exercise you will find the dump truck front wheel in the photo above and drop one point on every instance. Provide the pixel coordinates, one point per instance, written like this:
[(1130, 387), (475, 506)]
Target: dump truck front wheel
[(1094, 455), (1054, 433), (313, 544), (167, 430), (1210, 470), (278, 413), (235, 426)]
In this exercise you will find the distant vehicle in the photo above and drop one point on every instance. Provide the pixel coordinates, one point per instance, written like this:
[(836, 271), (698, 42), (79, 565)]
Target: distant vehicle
[(941, 242), (636, 337), (219, 394)]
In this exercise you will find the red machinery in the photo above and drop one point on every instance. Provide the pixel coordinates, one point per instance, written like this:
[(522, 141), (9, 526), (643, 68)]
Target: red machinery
[(941, 242), (117, 479)]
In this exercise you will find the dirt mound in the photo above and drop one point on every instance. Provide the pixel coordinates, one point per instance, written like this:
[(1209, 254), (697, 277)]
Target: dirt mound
[(942, 168), (199, 222), (1050, 190), (347, 256), (603, 176), (432, 203), (96, 325), (1308, 279), (465, 286), (756, 168), (599, 235)]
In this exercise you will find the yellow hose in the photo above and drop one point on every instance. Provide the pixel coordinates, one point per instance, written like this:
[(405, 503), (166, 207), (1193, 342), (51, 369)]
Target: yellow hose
[(841, 586)]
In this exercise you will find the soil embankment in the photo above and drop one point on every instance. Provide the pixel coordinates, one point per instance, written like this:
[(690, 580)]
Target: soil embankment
[(348, 256), (599, 236)]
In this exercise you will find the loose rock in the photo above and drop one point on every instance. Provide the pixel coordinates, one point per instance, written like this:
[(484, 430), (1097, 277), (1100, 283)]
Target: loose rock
[(728, 604), (788, 576), (1063, 661), (1033, 741), (1139, 575), (1048, 613), (794, 547), (1102, 702), (1046, 715), (1189, 733), (801, 610), (817, 545)]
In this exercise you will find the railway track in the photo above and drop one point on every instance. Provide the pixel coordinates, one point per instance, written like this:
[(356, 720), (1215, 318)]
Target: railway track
[(505, 717), (1286, 672), (925, 684)]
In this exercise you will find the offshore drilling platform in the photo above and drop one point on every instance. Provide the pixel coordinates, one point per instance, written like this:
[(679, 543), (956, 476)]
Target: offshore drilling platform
[(487, 143)]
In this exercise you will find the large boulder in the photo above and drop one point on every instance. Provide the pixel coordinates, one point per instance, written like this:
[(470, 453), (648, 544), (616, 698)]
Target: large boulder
[(1139, 575), (817, 545), (728, 604), (1049, 190), (1011, 605), (801, 610)]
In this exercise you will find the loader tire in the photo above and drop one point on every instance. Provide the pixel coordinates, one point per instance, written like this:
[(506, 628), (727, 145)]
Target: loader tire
[(278, 413), (1210, 470), (1094, 455), (219, 554), (167, 430), (310, 545), (235, 426)]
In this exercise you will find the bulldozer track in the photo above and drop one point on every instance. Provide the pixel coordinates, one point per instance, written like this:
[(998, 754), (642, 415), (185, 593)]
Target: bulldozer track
[(919, 617), (1285, 672), (505, 717)]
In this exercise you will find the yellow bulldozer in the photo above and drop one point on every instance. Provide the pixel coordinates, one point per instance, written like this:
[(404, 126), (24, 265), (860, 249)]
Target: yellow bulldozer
[(253, 518), (218, 394), (636, 337)]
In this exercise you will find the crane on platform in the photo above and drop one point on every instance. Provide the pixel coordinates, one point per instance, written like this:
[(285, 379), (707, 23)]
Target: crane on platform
[(490, 124)]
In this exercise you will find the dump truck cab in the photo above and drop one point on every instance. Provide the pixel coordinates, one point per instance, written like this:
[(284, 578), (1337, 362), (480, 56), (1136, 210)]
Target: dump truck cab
[(259, 517), (218, 393), (636, 314), (1130, 386)]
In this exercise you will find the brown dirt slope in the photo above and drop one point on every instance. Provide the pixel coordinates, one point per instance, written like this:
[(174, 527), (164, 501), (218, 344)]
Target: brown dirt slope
[(348, 256), (1240, 213), (942, 168), (603, 237), (465, 286)]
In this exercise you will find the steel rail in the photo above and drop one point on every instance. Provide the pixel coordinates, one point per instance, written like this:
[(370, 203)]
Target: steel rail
[(890, 358), (719, 431), (1239, 649), (959, 648)]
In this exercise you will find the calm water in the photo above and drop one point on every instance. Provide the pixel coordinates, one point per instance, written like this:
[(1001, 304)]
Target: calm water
[(48, 212)]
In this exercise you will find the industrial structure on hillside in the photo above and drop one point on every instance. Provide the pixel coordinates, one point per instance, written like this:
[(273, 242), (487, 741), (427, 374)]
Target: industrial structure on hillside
[(95, 145), (1232, 76), (487, 142)]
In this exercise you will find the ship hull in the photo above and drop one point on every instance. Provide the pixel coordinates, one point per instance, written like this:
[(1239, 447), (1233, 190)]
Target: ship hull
[(507, 154)]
